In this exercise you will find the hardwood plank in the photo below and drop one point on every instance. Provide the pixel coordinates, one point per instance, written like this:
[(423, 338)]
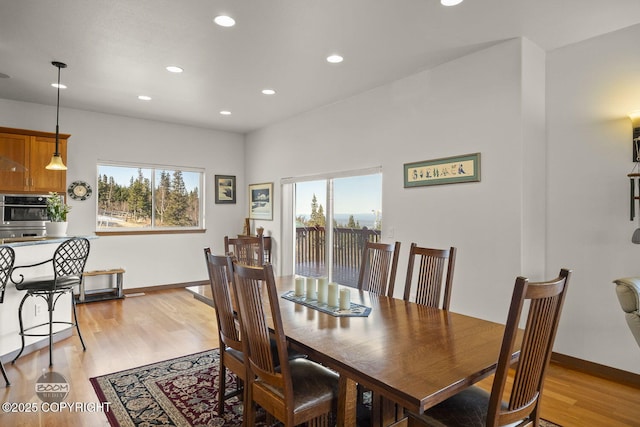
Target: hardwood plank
[(159, 325)]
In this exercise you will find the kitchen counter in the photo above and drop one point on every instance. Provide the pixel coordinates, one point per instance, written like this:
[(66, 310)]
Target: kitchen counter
[(15, 242)]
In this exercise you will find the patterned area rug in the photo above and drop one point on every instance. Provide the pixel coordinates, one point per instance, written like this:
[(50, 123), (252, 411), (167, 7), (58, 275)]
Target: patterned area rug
[(176, 392), (179, 392)]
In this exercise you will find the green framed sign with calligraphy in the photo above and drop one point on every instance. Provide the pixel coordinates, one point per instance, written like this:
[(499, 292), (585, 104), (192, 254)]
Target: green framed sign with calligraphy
[(448, 170)]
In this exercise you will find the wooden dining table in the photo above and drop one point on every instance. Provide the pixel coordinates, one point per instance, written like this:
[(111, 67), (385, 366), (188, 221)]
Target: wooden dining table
[(410, 355)]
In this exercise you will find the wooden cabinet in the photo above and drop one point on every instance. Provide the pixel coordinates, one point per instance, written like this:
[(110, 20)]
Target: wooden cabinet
[(32, 150)]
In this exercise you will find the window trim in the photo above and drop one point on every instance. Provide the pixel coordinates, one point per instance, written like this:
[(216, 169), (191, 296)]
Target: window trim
[(154, 168)]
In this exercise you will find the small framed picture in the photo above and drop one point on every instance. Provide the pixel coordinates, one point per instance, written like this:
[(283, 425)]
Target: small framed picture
[(261, 201), (225, 188)]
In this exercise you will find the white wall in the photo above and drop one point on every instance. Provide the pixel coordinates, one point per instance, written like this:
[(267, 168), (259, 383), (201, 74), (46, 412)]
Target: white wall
[(149, 260), (591, 86), (554, 191), (473, 104)]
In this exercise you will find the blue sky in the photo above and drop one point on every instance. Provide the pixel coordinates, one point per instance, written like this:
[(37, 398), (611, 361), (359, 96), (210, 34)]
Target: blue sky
[(353, 195)]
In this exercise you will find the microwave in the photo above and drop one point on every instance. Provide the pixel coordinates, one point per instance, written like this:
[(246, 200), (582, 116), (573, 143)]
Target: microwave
[(19, 208), (23, 215)]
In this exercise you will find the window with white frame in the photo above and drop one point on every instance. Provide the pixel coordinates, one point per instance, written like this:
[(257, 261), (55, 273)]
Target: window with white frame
[(137, 197)]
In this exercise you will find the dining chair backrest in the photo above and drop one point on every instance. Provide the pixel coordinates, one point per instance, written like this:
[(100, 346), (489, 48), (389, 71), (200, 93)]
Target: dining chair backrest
[(433, 272), (7, 258), (219, 279), (248, 284), (545, 305), (248, 250), (231, 348), (378, 268), (270, 377)]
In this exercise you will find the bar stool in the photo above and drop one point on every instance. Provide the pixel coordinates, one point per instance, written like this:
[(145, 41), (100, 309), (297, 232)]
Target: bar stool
[(7, 258), (68, 264)]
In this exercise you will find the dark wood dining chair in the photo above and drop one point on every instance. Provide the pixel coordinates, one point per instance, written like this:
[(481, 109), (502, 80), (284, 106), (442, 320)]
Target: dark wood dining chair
[(247, 250), (475, 407), (67, 265), (434, 270), (7, 258), (297, 391), (378, 268), (231, 351)]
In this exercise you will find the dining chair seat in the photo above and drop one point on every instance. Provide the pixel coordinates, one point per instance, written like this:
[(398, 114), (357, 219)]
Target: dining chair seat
[(313, 384), (454, 412)]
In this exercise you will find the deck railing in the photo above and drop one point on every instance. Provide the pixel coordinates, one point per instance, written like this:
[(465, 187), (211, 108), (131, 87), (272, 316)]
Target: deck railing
[(347, 251)]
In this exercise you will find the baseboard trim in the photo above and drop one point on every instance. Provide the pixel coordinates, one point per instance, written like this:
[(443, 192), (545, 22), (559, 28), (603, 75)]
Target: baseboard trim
[(596, 369), (165, 287)]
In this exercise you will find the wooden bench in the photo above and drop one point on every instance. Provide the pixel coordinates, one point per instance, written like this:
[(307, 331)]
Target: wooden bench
[(103, 293)]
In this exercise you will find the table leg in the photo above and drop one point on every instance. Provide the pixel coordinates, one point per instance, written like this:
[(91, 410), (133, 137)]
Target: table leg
[(347, 402)]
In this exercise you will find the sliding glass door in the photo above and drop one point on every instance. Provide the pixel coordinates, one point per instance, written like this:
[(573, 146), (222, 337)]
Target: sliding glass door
[(334, 216)]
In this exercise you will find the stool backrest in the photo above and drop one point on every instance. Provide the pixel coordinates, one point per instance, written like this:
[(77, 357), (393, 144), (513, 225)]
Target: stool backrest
[(70, 257), (7, 258)]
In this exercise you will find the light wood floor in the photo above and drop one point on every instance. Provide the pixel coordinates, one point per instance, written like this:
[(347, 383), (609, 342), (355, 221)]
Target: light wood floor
[(160, 325)]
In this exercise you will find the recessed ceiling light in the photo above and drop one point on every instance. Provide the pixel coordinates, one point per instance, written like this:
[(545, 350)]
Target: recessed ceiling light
[(224, 21), (450, 2), (335, 59), (174, 69), (56, 85), (225, 113), (268, 91), (144, 98)]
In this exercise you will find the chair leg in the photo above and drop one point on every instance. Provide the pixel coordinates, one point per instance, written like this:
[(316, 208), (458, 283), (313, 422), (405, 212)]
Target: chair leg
[(4, 374), (24, 298), (249, 409), (50, 306), (75, 321), (221, 385)]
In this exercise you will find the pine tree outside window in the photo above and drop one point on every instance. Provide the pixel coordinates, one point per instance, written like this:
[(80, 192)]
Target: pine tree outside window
[(149, 198)]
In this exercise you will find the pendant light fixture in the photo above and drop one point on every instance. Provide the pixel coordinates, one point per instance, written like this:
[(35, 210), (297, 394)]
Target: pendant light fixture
[(56, 160)]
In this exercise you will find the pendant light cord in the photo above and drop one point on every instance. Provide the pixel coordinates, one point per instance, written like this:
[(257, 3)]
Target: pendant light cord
[(57, 153)]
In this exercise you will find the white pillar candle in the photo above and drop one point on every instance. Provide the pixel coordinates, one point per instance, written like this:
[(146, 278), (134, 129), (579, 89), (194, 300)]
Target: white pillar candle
[(311, 288), (332, 298), (345, 299), (299, 286), (323, 290)]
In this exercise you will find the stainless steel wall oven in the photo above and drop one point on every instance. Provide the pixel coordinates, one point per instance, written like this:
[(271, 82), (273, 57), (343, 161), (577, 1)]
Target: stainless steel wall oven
[(23, 215)]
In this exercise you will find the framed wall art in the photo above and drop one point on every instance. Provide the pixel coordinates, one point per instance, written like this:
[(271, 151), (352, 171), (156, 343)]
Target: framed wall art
[(225, 188), (448, 170), (261, 201)]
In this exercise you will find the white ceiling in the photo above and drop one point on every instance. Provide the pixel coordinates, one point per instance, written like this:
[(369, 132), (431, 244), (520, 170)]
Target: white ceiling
[(118, 49)]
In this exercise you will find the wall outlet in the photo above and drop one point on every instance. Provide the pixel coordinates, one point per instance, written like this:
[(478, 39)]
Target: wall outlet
[(38, 310), (390, 232)]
